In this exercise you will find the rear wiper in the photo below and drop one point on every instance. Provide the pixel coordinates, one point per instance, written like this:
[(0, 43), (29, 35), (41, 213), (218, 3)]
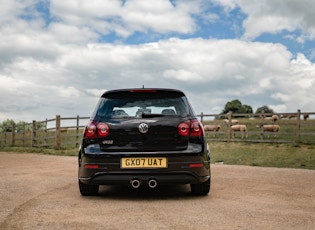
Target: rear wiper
[(150, 115)]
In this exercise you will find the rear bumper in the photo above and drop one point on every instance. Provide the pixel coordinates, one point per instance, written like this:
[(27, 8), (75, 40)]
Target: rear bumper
[(125, 179), (182, 168)]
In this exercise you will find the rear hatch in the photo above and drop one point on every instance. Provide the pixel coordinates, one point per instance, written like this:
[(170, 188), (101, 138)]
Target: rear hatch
[(154, 134), (143, 120)]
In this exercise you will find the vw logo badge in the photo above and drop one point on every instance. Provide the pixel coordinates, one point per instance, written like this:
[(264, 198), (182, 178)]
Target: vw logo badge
[(143, 128)]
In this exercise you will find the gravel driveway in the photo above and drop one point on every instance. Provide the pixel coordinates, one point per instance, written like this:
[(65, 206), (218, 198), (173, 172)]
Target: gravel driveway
[(41, 192)]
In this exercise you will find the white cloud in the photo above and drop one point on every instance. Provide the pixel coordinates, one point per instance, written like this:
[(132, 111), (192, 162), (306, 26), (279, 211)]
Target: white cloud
[(69, 92), (282, 97), (125, 19), (265, 83), (219, 70), (296, 90), (71, 10), (162, 16), (60, 67), (182, 75), (64, 33), (95, 92), (10, 9), (269, 16)]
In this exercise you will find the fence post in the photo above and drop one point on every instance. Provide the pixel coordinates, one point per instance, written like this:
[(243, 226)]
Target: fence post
[(58, 140), (298, 126), (23, 136), (229, 126), (33, 141), (262, 126), (5, 138), (201, 117), (13, 135), (46, 132), (77, 132)]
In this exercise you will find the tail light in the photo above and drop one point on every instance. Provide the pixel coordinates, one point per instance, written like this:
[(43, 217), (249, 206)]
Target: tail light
[(183, 128), (90, 130), (191, 128), (196, 129), (94, 129), (102, 129)]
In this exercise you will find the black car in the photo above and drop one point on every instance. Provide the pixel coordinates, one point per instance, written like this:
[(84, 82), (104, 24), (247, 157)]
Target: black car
[(144, 137)]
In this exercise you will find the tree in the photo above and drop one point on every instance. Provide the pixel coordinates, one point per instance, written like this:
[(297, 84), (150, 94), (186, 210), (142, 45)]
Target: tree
[(21, 126), (247, 109), (235, 106), (6, 125), (264, 109)]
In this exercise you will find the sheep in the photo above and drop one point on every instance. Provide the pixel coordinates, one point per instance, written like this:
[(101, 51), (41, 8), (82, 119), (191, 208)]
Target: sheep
[(306, 116), (212, 128), (270, 128), (233, 122), (285, 116), (274, 117), (239, 128), (64, 130), (291, 116)]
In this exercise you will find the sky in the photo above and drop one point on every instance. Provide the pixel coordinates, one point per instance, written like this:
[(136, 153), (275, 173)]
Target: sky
[(58, 57)]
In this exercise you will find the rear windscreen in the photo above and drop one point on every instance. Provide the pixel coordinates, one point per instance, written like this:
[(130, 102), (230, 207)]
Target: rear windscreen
[(133, 105)]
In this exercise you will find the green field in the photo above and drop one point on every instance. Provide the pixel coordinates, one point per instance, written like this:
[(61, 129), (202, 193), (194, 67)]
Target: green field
[(263, 154)]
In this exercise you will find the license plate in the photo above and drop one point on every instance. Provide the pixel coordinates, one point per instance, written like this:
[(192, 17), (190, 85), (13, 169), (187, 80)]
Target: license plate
[(143, 162)]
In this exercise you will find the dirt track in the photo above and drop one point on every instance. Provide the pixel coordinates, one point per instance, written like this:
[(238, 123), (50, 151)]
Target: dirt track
[(41, 192)]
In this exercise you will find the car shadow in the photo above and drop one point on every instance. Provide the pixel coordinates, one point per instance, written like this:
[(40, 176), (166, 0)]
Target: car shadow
[(161, 192)]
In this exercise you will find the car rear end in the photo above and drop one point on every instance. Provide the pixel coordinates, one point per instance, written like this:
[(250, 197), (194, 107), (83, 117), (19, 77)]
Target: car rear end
[(144, 137)]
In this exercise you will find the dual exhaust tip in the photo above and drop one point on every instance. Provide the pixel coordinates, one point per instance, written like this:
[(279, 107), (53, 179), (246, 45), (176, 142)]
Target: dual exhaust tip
[(136, 183)]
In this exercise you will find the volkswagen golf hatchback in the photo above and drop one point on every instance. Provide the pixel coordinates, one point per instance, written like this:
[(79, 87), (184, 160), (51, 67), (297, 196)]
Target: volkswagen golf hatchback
[(144, 137)]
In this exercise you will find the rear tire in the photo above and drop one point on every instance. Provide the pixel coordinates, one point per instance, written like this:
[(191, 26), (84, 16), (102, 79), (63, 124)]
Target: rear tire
[(201, 189), (88, 190)]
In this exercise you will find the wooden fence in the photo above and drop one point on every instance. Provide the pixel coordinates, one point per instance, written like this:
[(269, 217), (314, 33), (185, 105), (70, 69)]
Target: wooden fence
[(294, 127), (67, 132), (54, 133)]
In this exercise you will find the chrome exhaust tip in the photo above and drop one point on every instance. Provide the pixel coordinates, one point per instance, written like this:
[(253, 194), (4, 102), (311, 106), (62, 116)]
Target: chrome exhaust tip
[(135, 183), (152, 183)]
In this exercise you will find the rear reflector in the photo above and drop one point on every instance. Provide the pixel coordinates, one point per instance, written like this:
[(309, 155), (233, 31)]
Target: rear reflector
[(196, 165), (91, 166)]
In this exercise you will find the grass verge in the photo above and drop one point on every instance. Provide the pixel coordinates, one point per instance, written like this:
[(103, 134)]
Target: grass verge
[(46, 151)]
